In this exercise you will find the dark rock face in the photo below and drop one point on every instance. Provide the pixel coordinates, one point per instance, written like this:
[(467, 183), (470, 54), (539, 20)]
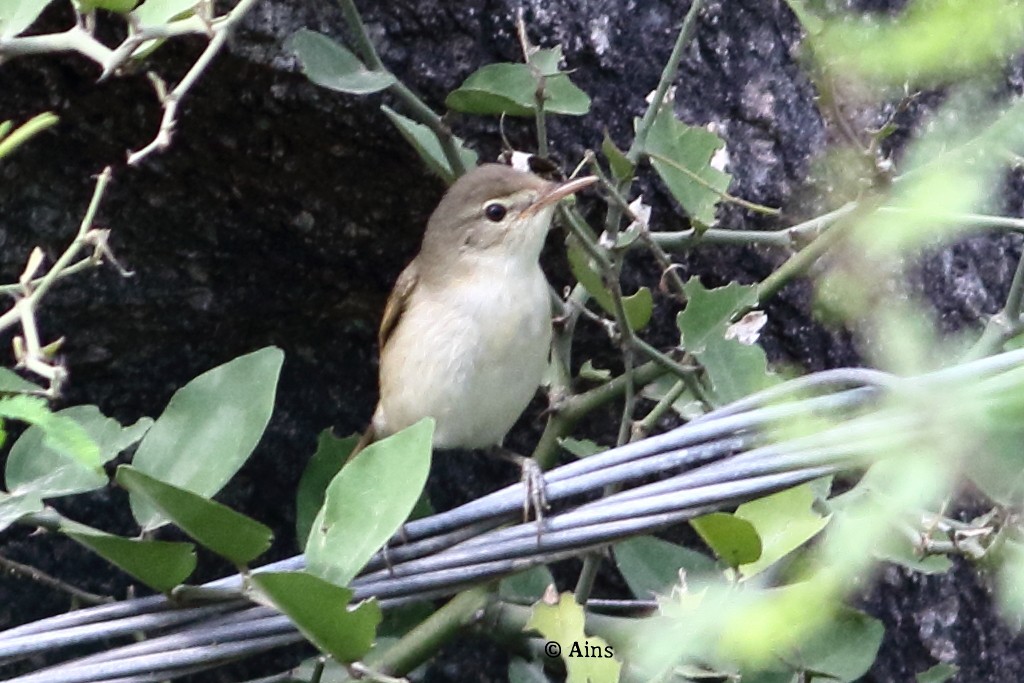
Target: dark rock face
[(282, 213)]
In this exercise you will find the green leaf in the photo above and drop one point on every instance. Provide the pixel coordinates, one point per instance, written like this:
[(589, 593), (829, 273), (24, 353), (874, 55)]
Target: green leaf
[(638, 306), (622, 167), (681, 155), (368, 501), (932, 42), (812, 23), (844, 648), (899, 549), (511, 89), (586, 658), (734, 368), (652, 566), (26, 131), (161, 565), (209, 428), (118, 6), (18, 15), (60, 433), (11, 383), (157, 12), (331, 454), (34, 466), (784, 521), (581, 448), (1010, 579), (14, 507), (709, 311), (215, 526), (526, 587), (321, 613), (588, 371), (546, 61), (938, 674), (426, 144), (734, 540), (332, 66)]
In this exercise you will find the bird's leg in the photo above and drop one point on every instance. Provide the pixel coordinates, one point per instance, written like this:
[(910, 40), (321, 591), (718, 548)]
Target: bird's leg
[(533, 479)]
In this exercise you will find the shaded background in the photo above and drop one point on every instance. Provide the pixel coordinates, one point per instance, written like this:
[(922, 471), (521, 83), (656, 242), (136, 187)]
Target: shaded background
[(282, 213)]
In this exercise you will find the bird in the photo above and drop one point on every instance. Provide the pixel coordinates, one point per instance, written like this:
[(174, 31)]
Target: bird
[(466, 331)]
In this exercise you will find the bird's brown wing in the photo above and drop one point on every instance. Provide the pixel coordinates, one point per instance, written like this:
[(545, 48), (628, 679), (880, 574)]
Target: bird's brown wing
[(397, 302)]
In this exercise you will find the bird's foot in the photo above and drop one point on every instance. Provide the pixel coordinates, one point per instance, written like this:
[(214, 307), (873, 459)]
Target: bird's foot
[(532, 477)]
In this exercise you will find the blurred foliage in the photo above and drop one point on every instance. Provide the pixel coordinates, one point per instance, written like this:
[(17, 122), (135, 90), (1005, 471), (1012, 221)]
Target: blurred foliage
[(765, 598)]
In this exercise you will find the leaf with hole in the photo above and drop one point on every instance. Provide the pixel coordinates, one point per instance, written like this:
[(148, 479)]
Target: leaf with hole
[(367, 502), (321, 612), (735, 369), (681, 155)]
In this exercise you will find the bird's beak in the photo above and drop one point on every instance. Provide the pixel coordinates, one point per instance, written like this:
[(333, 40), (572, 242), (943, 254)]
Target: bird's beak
[(559, 192)]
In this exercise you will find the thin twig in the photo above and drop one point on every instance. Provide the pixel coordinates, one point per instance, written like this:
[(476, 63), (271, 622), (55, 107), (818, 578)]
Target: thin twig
[(418, 109), (1005, 324), (172, 100), (42, 578)]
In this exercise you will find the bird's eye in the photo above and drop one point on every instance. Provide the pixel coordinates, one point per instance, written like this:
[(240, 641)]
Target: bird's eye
[(495, 212)]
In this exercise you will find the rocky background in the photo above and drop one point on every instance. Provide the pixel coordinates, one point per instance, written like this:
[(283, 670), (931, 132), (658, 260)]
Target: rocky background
[(283, 212)]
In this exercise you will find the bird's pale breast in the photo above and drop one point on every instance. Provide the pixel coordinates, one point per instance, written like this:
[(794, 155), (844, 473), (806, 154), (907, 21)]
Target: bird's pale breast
[(472, 358)]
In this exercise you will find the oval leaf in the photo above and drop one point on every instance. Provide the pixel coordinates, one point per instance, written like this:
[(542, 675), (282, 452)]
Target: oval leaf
[(734, 540), (18, 15), (13, 508), (784, 521), (511, 89), (59, 432), (215, 526), (11, 383), (330, 65), (161, 565), (526, 587), (320, 611), (156, 12), (368, 501), (209, 428), (32, 465), (426, 144), (652, 566)]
